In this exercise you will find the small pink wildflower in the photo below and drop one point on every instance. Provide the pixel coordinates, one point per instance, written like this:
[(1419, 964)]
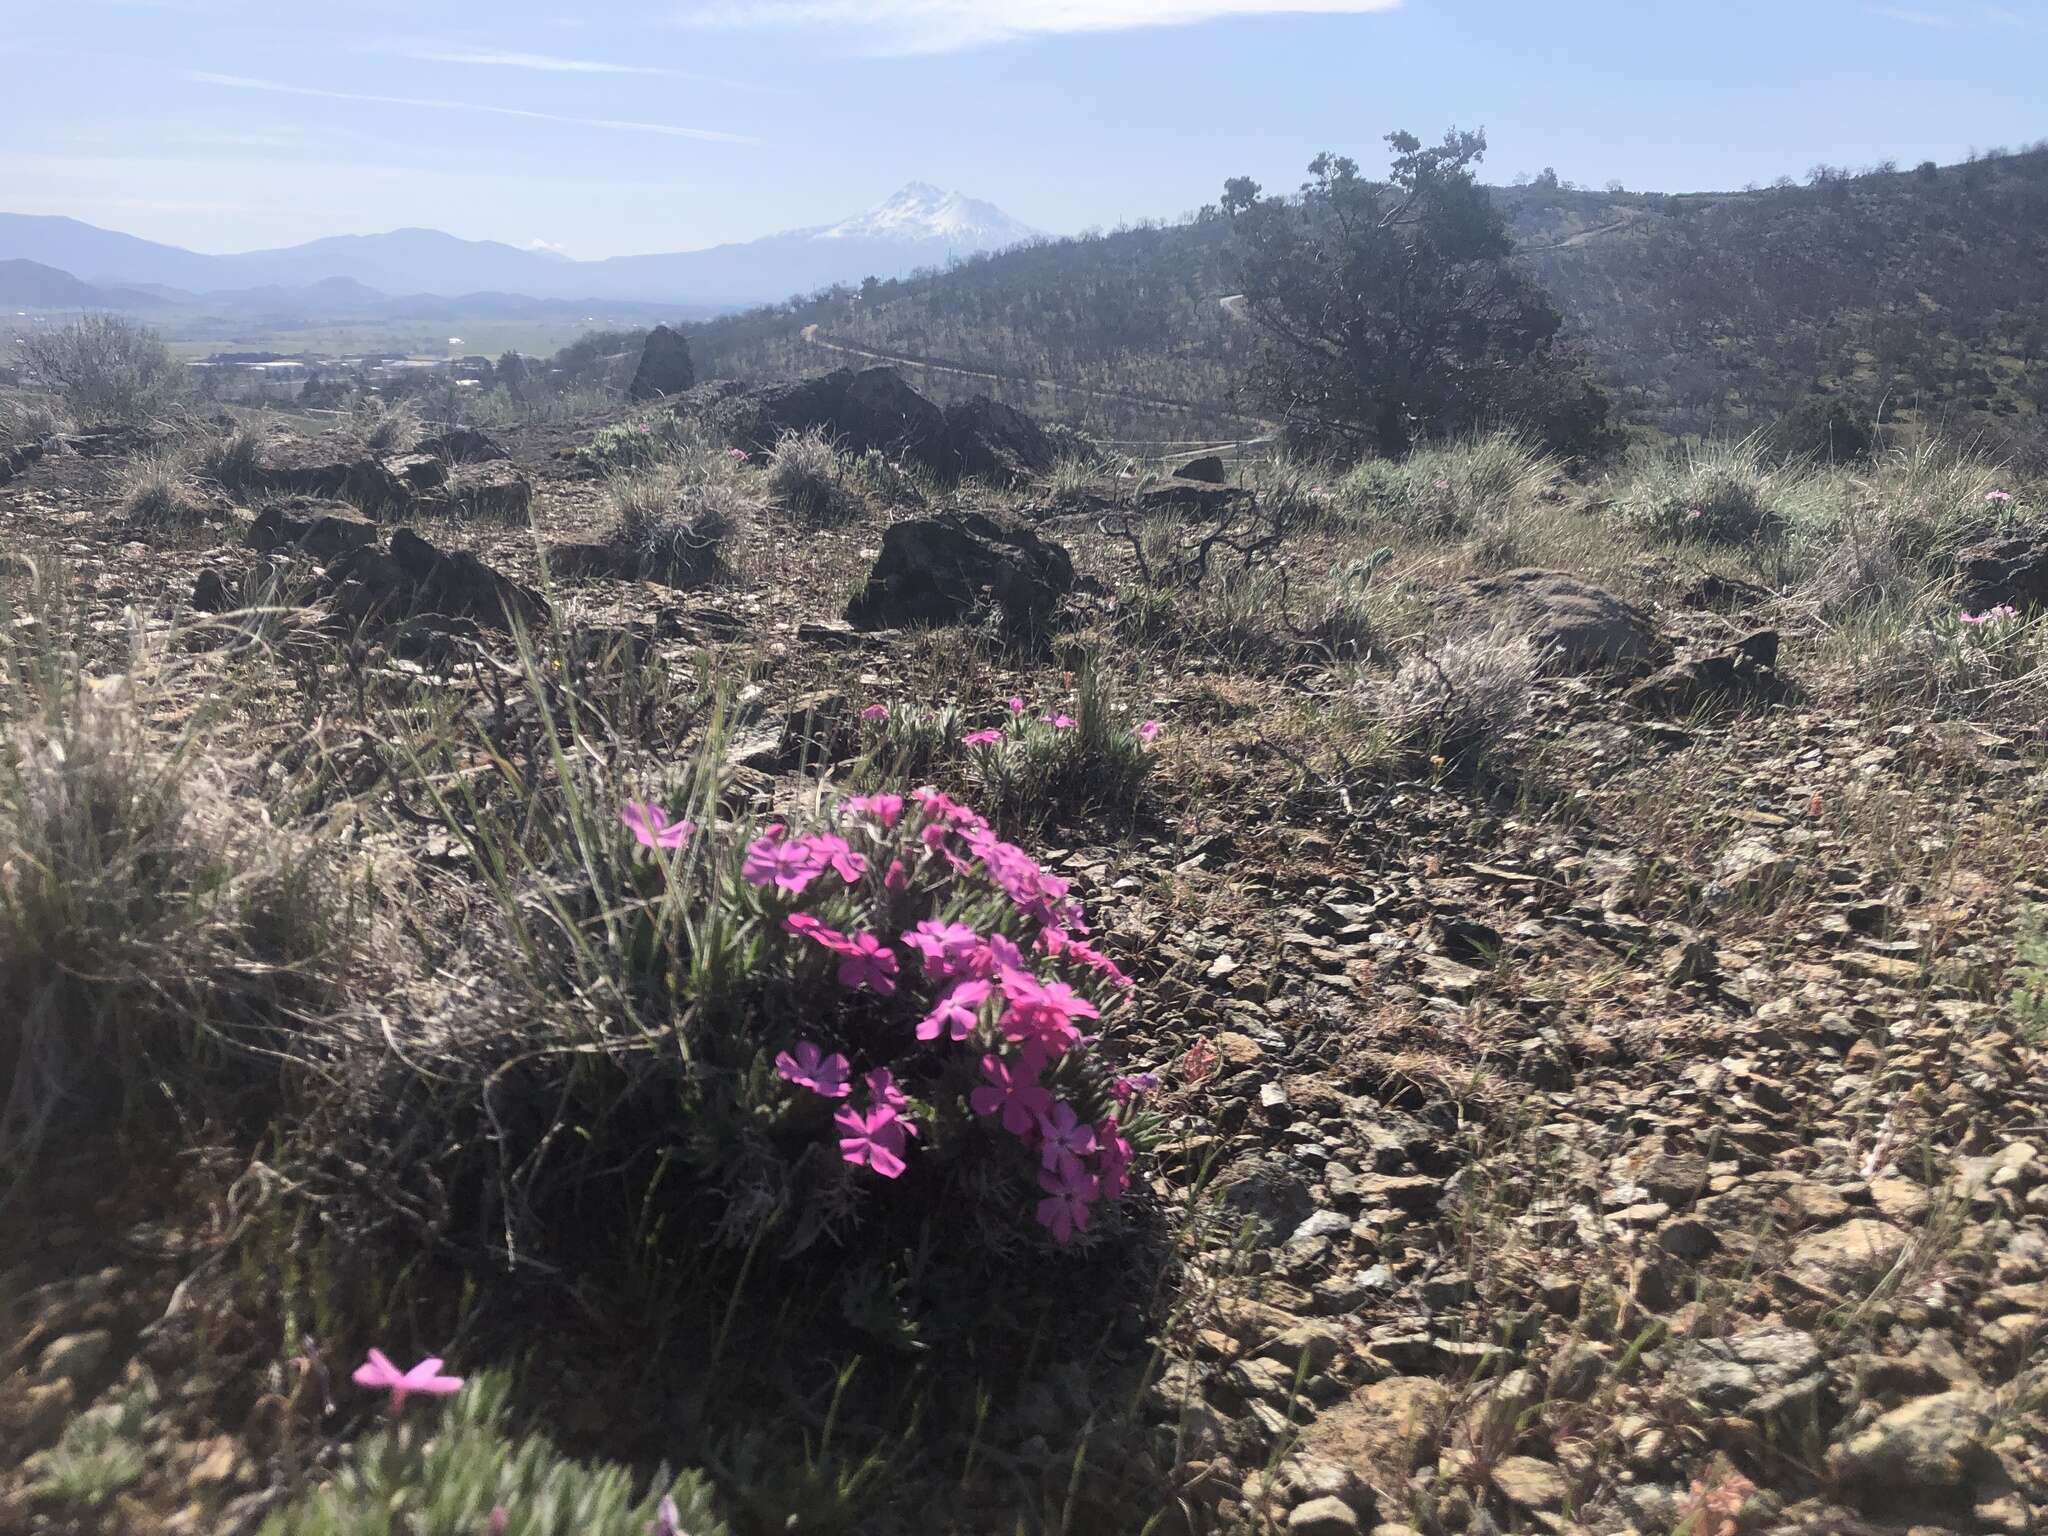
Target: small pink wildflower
[(737, 455), (896, 879), (886, 809), (810, 926), (870, 966), (668, 1520), (1124, 1089), (874, 1139), (832, 852), (1998, 498), (882, 1091), (945, 949), (1991, 615), (649, 823), (811, 1068), (786, 865), (1149, 731), (957, 1011), (1064, 1211), (875, 712), (1057, 722), (1044, 1011), (1013, 1091), (1016, 704), (1064, 1137), (380, 1375), (1112, 1158), (981, 738)]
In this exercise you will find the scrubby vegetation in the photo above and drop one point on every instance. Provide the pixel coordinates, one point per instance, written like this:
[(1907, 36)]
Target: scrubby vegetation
[(108, 370)]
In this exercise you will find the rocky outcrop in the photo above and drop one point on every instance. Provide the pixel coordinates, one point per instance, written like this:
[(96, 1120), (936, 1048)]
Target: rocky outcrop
[(954, 567), (1208, 469), (1577, 626), (324, 530), (2011, 570), (665, 366), (462, 445), (874, 409), (1744, 673), (396, 485), (490, 489)]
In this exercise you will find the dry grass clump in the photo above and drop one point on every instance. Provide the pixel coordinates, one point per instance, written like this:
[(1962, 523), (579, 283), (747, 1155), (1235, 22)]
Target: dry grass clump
[(150, 919), (231, 458), (30, 421), (383, 428), (807, 478), (158, 491), (673, 525), (1451, 489), (1717, 493), (1460, 699)]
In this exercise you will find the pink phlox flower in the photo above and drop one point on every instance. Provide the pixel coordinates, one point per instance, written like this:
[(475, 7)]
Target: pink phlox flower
[(896, 879), (770, 860), (811, 1068), (1057, 943), (1044, 1011), (875, 712), (1443, 485), (981, 738), (809, 926), (869, 966), (649, 823), (1149, 731), (380, 1375), (1057, 722), (1124, 1089), (941, 807), (886, 809), (874, 1139), (1013, 1091), (1016, 704), (738, 456), (1064, 1137), (1004, 955), (1069, 1193), (1998, 498), (668, 1520), (883, 1093), (945, 949), (1112, 1158), (833, 852), (957, 1011)]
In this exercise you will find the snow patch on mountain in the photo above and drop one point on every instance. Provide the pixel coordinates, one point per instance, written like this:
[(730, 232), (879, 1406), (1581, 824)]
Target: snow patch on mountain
[(921, 212)]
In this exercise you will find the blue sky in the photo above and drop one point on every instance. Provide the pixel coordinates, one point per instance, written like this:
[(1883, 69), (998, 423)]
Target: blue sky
[(234, 124)]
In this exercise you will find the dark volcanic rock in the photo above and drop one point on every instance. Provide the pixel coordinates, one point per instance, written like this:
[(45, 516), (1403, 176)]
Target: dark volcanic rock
[(2013, 570), (293, 466), (943, 569), (873, 408), (1746, 672), (492, 489), (461, 445), (19, 457), (415, 580), (1580, 626), (1208, 469), (323, 529), (991, 441), (665, 366)]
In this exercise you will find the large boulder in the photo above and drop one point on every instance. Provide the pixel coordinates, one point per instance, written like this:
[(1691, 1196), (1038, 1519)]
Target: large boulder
[(665, 366), (415, 580), (492, 489), (991, 441), (949, 568), (873, 408), (1208, 469), (2012, 570), (1577, 626), (324, 530), (296, 466)]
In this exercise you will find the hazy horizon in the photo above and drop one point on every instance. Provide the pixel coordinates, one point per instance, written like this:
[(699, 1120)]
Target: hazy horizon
[(232, 128)]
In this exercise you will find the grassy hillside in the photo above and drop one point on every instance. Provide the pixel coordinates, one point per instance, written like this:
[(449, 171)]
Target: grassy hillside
[(1923, 291)]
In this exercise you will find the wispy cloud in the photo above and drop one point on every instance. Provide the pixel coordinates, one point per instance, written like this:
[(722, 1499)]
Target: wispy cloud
[(941, 26), (279, 88), (1959, 17), (548, 63)]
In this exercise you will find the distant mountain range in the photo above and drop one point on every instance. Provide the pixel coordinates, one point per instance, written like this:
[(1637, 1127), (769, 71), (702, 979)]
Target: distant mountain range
[(921, 226)]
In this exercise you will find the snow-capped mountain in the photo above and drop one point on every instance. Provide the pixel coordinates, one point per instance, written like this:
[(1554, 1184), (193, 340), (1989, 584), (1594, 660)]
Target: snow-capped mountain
[(920, 226), (922, 211)]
